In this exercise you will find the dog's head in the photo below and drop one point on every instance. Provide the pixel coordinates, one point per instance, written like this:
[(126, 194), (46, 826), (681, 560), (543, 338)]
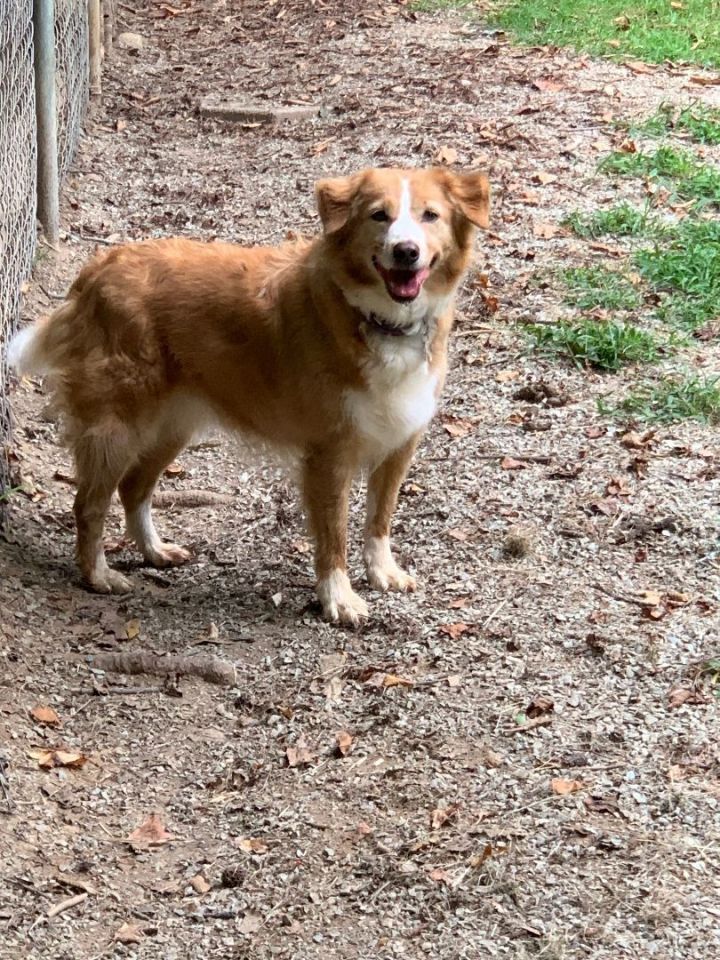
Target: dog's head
[(402, 237)]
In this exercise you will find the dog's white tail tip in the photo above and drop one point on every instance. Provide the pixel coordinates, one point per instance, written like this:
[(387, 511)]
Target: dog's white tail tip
[(24, 354)]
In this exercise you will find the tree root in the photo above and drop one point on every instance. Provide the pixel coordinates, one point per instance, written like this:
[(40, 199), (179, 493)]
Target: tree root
[(166, 499), (208, 668)]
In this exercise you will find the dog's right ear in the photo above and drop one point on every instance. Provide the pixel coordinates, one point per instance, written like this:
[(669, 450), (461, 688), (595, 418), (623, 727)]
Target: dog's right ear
[(334, 199)]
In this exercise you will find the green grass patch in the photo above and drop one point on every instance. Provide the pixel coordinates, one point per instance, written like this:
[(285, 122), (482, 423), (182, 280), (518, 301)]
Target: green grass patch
[(620, 220), (678, 170), (590, 287), (686, 267), (698, 121), (690, 397), (603, 345), (652, 30)]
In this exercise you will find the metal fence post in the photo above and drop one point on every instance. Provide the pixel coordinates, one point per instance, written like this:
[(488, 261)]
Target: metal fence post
[(48, 188), (95, 33)]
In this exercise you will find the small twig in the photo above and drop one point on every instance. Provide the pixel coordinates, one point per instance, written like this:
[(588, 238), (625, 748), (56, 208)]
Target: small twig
[(92, 239), (468, 330), (190, 498), (636, 601), (50, 295), (527, 457), (66, 905), (46, 243), (5, 783), (531, 725), (211, 669), (494, 613)]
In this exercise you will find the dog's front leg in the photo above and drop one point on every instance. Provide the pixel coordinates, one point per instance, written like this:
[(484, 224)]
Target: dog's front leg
[(382, 493), (327, 479)]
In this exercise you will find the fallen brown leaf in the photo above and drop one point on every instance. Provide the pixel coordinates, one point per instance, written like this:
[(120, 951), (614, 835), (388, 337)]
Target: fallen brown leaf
[(539, 706), (300, 755), (200, 884), (457, 533), (459, 603), (440, 876), (618, 487), (544, 178), (49, 758), (250, 923), (151, 833), (548, 85), (457, 427), (344, 742), (546, 230), (563, 787), (252, 845), (599, 804), (454, 630), (446, 155), (45, 715), (509, 463), (129, 933), (639, 66), (638, 441), (478, 859), (393, 680), (680, 695), (649, 598), (441, 815)]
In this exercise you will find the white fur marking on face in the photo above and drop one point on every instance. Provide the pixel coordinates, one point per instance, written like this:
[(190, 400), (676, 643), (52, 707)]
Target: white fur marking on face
[(405, 228)]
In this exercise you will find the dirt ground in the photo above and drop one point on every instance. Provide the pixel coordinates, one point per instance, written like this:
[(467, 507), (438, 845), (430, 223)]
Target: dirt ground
[(532, 766)]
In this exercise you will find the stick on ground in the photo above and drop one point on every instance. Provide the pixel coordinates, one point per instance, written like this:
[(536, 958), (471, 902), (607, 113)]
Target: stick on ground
[(208, 668)]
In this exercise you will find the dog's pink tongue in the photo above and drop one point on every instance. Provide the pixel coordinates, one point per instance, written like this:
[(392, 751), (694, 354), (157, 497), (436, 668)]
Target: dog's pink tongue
[(406, 284)]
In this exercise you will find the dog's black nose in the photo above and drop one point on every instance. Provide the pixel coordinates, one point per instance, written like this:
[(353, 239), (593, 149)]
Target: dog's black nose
[(406, 254)]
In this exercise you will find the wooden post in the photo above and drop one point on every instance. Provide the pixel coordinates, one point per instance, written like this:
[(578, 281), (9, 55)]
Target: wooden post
[(95, 33), (108, 11), (48, 188)]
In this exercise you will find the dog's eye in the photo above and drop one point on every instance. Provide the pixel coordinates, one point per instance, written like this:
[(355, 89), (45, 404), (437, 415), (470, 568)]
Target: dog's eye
[(430, 216), (380, 216)]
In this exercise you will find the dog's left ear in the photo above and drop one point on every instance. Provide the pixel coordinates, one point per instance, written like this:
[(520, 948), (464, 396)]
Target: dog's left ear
[(471, 191), (334, 198)]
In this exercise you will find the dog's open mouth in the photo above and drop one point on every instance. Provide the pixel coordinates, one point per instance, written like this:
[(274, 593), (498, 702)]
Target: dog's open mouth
[(403, 285)]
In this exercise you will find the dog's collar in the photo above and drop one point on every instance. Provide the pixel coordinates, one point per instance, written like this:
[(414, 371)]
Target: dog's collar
[(388, 329)]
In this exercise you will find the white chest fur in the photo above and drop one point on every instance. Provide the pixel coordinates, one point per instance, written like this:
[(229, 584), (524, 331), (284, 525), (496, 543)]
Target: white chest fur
[(399, 398)]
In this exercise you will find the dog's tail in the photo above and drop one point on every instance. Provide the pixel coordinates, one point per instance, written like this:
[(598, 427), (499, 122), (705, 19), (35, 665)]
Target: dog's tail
[(31, 351), (25, 353)]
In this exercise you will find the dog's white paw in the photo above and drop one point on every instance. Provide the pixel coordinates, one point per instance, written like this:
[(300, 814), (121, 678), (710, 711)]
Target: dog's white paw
[(108, 581), (167, 555), (382, 571), (339, 601)]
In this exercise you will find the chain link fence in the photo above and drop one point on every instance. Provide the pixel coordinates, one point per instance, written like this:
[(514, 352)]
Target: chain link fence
[(74, 32), (71, 79), (18, 152)]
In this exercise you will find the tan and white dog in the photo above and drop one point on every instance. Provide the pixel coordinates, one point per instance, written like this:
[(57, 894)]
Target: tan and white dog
[(334, 349)]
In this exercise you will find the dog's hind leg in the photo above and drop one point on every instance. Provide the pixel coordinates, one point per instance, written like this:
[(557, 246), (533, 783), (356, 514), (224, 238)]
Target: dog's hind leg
[(100, 458), (136, 490)]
